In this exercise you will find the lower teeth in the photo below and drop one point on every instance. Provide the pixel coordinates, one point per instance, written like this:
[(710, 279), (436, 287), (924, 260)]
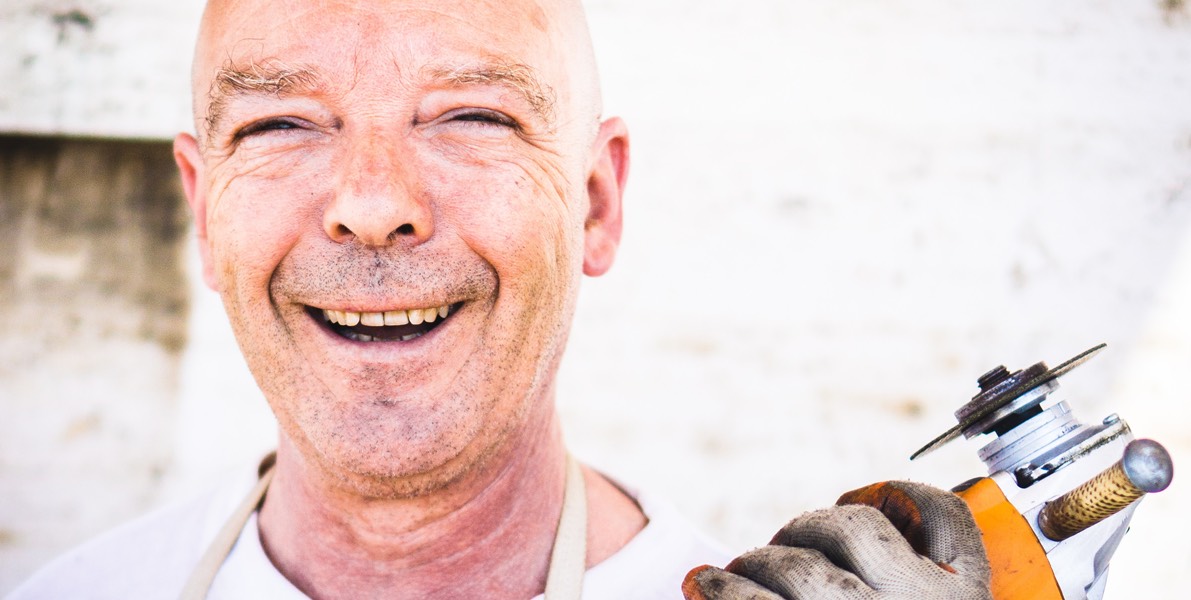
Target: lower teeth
[(360, 337)]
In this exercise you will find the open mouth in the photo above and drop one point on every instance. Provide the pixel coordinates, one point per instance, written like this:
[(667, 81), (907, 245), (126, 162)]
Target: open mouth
[(388, 326)]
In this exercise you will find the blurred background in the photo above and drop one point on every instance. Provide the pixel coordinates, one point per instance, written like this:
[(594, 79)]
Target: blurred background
[(839, 216)]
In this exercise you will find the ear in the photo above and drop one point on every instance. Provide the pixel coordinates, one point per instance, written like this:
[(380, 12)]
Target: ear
[(190, 167), (605, 192)]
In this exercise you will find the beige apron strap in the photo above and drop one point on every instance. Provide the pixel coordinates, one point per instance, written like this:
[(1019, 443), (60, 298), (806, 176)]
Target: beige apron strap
[(208, 566), (568, 559)]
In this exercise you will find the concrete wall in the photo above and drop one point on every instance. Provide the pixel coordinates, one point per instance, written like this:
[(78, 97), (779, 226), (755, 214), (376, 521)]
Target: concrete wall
[(839, 215), (93, 319), (96, 67)]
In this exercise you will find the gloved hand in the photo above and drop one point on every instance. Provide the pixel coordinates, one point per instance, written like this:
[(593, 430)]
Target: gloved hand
[(891, 540)]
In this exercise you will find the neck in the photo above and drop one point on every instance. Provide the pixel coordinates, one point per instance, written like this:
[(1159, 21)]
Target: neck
[(487, 534)]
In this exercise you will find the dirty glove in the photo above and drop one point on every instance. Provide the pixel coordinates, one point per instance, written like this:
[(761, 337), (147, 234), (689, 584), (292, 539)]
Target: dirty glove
[(892, 540)]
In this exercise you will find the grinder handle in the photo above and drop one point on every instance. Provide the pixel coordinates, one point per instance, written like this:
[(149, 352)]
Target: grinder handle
[(1144, 468)]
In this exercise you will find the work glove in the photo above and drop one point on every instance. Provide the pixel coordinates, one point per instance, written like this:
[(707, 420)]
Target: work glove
[(894, 540)]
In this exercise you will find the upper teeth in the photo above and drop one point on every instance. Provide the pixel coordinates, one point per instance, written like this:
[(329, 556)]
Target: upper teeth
[(413, 316)]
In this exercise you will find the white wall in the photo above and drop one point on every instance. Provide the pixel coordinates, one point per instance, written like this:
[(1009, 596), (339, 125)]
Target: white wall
[(839, 215), (842, 213)]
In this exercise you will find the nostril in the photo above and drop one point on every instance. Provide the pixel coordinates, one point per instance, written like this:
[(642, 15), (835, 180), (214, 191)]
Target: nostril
[(342, 233)]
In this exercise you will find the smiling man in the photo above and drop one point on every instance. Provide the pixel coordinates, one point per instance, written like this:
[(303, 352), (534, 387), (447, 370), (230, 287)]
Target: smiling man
[(396, 202)]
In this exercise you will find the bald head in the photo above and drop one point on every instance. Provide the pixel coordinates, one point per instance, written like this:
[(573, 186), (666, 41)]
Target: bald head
[(538, 50)]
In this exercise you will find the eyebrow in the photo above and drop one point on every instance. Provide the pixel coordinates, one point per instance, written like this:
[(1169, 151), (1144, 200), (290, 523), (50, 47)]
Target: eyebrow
[(270, 77), (518, 77)]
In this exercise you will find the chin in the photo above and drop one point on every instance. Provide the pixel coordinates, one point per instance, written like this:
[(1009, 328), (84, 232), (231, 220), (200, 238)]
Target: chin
[(379, 482), (396, 460)]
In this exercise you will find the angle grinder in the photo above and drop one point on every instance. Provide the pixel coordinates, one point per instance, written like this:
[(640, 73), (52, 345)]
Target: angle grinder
[(1060, 493)]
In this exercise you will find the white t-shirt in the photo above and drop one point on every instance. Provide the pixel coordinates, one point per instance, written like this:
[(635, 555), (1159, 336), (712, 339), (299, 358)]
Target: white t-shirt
[(152, 557)]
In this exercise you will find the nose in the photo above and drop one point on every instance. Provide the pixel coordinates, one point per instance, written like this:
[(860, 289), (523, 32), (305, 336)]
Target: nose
[(378, 201)]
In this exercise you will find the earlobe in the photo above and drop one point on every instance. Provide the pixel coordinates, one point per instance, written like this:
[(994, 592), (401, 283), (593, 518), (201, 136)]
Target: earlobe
[(190, 164), (605, 191)]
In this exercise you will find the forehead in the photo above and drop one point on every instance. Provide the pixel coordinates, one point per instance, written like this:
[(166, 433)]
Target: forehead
[(380, 38)]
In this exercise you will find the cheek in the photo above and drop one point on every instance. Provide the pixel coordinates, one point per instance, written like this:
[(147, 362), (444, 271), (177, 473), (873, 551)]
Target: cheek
[(257, 220), (524, 229)]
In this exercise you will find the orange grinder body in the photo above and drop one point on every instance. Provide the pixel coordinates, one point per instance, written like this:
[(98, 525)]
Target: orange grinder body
[(1020, 569)]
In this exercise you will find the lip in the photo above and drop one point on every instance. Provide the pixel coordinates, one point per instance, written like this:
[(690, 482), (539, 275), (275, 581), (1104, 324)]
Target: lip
[(362, 308)]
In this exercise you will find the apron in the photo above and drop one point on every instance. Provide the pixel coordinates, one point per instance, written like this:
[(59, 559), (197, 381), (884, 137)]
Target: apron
[(564, 579)]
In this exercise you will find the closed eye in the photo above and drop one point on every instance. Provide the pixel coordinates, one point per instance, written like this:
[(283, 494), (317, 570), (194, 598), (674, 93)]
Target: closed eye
[(267, 125), (482, 116)]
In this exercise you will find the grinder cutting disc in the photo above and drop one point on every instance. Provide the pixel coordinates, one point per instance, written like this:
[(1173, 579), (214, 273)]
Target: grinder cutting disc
[(1005, 392)]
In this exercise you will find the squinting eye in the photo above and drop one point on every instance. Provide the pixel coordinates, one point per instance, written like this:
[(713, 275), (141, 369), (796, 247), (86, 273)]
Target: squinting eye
[(266, 125), (484, 116)]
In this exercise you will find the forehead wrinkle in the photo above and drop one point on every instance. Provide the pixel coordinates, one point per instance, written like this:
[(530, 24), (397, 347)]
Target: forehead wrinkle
[(520, 78), (271, 77)]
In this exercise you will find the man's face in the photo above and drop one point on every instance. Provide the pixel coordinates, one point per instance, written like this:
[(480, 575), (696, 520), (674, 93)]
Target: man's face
[(395, 201)]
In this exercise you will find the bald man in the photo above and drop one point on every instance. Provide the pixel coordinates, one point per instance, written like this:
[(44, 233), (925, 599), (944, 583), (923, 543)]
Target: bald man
[(396, 202)]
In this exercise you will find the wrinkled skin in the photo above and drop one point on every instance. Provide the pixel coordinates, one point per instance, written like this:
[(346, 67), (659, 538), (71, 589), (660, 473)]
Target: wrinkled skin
[(384, 186)]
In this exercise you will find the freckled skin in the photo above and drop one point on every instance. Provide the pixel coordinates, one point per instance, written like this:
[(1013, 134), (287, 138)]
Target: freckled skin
[(380, 185), (498, 222)]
